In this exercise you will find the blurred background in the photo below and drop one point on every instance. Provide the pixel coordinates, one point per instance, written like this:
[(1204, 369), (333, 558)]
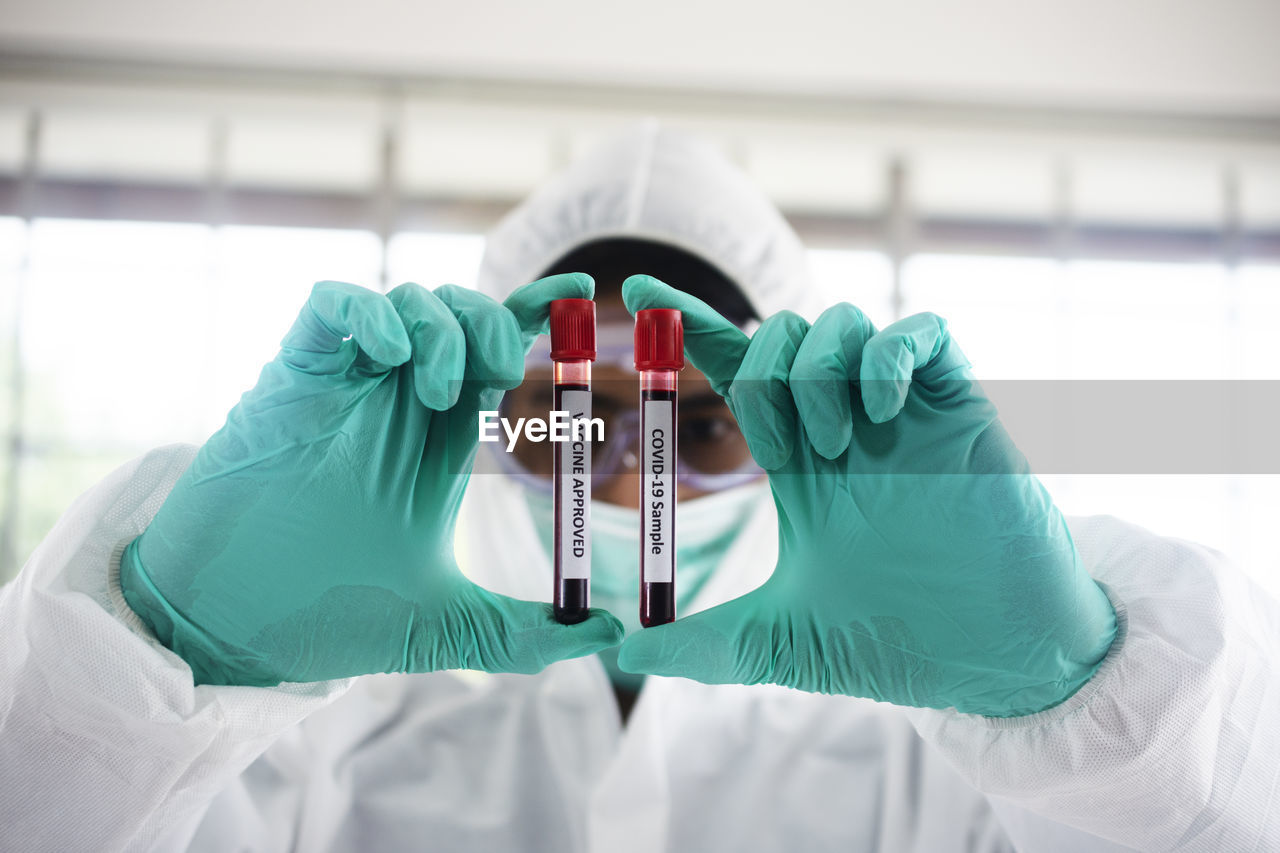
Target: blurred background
[(1085, 189)]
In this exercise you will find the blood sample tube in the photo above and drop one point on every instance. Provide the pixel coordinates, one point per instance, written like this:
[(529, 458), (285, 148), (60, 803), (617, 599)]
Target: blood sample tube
[(573, 348), (659, 356)]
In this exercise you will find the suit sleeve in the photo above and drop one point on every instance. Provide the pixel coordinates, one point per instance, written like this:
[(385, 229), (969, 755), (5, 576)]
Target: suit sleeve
[(105, 742), (1173, 744)]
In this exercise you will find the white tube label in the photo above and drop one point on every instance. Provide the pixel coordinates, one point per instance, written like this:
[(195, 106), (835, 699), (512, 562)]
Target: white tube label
[(575, 489), (658, 508)]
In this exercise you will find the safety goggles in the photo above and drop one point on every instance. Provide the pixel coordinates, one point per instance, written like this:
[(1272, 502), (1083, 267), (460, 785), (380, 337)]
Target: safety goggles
[(711, 452)]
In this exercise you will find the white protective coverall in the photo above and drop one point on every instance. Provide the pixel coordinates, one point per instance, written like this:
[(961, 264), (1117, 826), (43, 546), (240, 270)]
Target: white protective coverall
[(105, 744)]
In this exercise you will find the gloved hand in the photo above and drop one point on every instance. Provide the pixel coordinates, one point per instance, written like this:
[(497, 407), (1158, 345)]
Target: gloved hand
[(920, 562), (312, 537)]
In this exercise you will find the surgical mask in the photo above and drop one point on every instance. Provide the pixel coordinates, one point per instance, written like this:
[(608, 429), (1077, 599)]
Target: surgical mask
[(705, 528)]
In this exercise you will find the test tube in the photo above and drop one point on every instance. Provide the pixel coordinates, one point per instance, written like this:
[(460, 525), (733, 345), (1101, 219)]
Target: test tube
[(573, 348), (659, 354)]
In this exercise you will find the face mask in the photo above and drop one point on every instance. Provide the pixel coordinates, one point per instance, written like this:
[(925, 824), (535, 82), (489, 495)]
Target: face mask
[(705, 528)]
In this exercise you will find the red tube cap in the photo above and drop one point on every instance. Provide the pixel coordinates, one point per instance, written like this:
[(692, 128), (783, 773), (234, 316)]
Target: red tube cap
[(659, 339), (573, 330)]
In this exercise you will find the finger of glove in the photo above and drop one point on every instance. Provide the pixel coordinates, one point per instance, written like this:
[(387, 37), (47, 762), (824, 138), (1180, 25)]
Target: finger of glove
[(917, 347), (727, 644), (495, 362), (531, 304), (439, 345), (822, 376), (495, 352), (760, 396), (336, 311), (491, 632), (714, 345)]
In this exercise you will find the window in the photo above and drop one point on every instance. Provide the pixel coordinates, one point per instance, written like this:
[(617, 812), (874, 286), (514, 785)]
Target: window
[(434, 259), (138, 334), (1020, 318)]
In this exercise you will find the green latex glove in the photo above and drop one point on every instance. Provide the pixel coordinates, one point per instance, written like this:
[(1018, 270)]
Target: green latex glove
[(920, 562), (312, 537)]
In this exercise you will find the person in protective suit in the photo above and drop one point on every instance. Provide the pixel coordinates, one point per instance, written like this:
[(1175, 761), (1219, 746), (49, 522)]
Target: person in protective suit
[(890, 638)]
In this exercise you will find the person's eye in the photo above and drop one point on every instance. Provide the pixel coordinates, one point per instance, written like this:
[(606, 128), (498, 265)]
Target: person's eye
[(706, 429)]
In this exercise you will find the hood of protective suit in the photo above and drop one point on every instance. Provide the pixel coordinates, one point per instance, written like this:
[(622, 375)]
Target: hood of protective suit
[(652, 182)]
